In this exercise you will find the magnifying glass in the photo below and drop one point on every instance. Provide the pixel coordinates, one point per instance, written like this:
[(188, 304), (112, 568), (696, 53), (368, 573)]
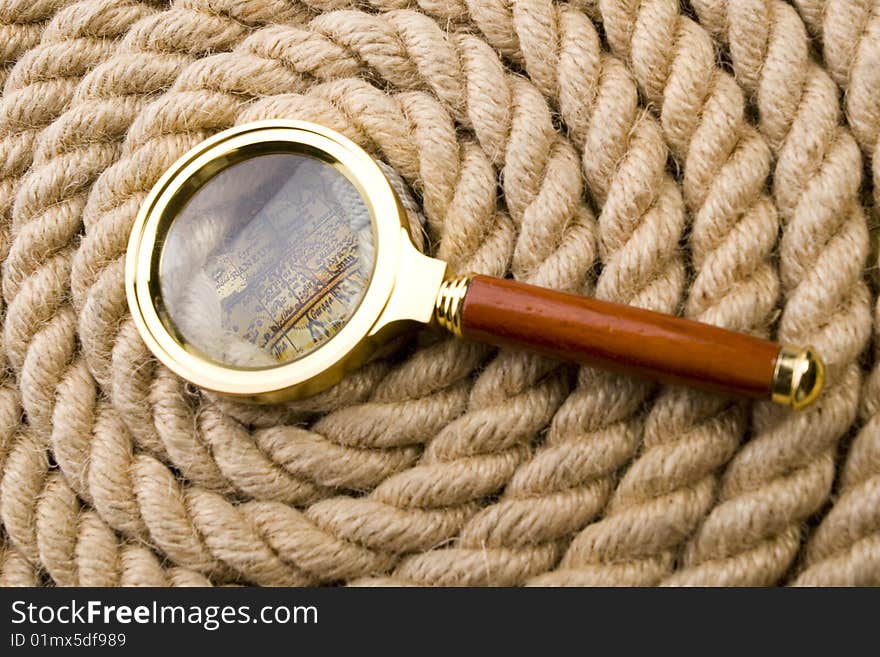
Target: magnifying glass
[(274, 258)]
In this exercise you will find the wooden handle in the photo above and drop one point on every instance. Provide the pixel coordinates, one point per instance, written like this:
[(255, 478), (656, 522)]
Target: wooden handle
[(634, 341)]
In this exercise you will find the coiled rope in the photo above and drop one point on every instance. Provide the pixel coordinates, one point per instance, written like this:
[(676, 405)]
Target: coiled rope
[(699, 161)]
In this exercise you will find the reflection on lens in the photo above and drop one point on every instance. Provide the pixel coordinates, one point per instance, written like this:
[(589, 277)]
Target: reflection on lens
[(267, 260)]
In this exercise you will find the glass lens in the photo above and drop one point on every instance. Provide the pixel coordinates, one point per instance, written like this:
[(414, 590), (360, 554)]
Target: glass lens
[(267, 260)]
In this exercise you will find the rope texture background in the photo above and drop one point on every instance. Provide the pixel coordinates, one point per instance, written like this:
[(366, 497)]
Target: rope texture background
[(719, 159)]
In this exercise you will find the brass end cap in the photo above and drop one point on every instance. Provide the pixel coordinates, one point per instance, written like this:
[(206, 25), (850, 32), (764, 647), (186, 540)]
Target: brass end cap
[(798, 377)]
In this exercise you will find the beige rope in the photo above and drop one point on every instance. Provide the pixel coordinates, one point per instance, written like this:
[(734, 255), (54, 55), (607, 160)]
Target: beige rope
[(562, 487), (15, 570), (532, 38), (784, 474), (845, 550), (32, 471), (330, 476), (70, 45), (163, 508), (434, 469), (729, 252)]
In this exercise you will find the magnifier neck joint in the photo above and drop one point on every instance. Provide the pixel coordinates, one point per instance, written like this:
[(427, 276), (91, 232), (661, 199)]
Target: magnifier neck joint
[(450, 303)]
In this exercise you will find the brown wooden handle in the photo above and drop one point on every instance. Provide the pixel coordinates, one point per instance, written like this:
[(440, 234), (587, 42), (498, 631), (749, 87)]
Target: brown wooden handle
[(628, 340)]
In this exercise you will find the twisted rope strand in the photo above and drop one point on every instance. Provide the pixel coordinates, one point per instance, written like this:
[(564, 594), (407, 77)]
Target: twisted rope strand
[(845, 549), (21, 26), (520, 535), (15, 570), (733, 235), (73, 545), (77, 37), (455, 468), (671, 486), (46, 216), (478, 63), (428, 470), (521, 182), (169, 540), (530, 33), (153, 52), (784, 474), (63, 138)]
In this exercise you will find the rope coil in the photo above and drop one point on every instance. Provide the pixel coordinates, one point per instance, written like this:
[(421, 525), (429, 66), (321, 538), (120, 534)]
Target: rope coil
[(619, 159)]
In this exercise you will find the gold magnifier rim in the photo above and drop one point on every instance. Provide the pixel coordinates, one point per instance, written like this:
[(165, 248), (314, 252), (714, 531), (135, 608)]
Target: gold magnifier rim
[(327, 363)]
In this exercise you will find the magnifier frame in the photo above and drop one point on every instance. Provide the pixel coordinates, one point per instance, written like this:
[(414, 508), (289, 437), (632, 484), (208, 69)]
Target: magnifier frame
[(402, 288)]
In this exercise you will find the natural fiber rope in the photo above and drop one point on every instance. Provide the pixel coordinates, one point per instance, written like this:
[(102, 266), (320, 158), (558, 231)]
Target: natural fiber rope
[(845, 550), (437, 469), (784, 474)]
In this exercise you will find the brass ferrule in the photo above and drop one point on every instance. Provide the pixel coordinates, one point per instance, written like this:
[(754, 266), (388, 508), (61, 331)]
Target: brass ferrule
[(450, 302), (798, 377)]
